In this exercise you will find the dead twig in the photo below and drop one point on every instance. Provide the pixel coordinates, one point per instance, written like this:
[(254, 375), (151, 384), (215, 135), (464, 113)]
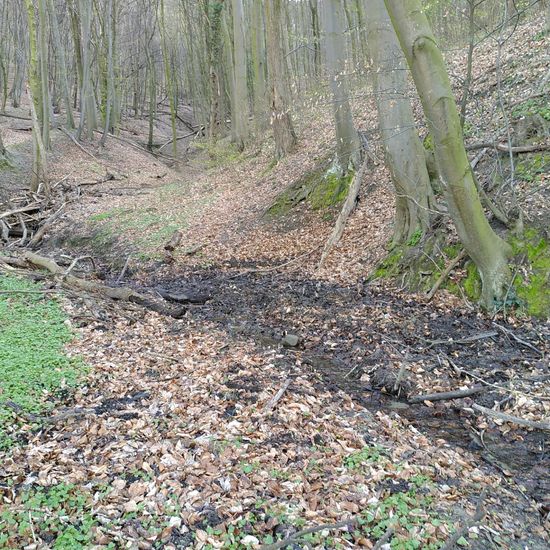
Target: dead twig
[(277, 397), (467, 340), (505, 148), (508, 332), (445, 274), (387, 536), (330, 527)]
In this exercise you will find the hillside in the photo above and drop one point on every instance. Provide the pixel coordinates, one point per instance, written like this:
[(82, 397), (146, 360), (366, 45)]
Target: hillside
[(278, 397)]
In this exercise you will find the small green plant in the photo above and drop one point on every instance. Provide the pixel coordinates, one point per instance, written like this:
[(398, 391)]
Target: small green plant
[(61, 512), (415, 238), (533, 168), (408, 514), (365, 456), (534, 106), (33, 366)]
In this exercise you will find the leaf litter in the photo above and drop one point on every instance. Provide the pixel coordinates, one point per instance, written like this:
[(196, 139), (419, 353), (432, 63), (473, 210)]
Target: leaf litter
[(174, 443)]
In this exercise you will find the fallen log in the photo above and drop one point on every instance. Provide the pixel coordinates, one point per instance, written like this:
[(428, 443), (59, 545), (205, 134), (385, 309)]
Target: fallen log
[(543, 426), (124, 294), (505, 148), (447, 395)]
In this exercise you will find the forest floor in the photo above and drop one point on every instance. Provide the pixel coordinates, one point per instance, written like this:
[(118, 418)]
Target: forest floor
[(280, 400)]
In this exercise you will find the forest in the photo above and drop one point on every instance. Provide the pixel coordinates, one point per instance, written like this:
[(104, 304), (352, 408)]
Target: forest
[(274, 274)]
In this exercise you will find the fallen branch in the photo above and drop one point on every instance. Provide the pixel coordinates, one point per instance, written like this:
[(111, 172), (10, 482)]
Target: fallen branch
[(275, 268), (75, 141), (447, 395), (508, 332), (174, 241), (467, 340), (277, 397), (330, 526), (347, 209), (505, 148), (41, 231), (116, 293), (543, 426)]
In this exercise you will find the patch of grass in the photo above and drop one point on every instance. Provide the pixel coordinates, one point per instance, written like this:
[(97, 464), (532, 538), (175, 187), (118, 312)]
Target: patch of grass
[(33, 368), (60, 514), (220, 153)]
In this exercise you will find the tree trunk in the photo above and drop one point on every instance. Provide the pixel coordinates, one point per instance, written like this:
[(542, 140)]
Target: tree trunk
[(404, 152), (258, 63), (425, 60), (214, 53), (239, 115), (169, 80), (61, 61), (347, 139), (283, 129), (44, 73)]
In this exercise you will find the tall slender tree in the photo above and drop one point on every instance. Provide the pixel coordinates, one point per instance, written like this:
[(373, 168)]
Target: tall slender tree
[(347, 139), (281, 121), (488, 251), (240, 87)]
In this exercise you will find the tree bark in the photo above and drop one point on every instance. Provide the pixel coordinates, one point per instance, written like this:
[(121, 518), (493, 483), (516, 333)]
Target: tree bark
[(283, 129), (425, 60), (403, 149), (347, 139), (239, 116)]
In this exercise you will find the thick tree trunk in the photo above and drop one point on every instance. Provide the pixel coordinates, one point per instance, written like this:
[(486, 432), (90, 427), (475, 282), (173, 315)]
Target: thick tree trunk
[(283, 129), (425, 60), (347, 139), (404, 152)]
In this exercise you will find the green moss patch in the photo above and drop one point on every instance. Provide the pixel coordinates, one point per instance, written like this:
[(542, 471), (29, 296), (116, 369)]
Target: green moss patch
[(532, 284), (33, 367), (322, 188)]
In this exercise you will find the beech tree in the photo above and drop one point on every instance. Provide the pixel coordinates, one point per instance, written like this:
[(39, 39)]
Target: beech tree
[(488, 251), (281, 121), (347, 139), (240, 114), (404, 152)]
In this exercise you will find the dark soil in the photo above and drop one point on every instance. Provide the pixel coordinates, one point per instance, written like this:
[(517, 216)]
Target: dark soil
[(347, 332)]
